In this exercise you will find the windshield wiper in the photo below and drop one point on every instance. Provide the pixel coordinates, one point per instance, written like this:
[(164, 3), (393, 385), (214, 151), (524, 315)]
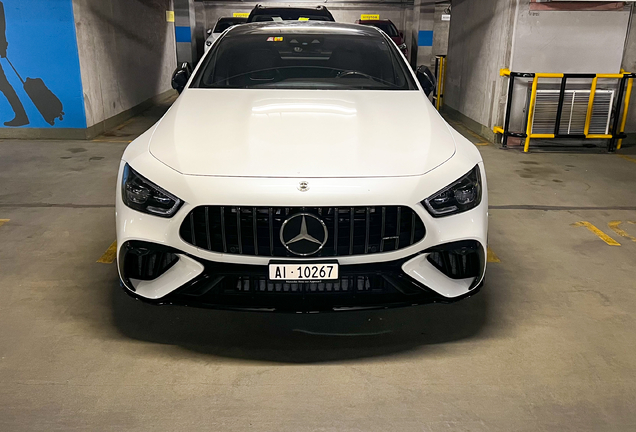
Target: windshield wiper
[(346, 73), (343, 72)]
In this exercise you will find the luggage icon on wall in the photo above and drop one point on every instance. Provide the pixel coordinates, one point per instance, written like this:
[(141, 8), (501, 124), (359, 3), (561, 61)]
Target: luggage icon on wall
[(42, 97)]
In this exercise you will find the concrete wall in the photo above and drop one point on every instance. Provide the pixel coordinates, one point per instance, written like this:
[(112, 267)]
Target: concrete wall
[(479, 44), (569, 41), (629, 64), (486, 35), (126, 51)]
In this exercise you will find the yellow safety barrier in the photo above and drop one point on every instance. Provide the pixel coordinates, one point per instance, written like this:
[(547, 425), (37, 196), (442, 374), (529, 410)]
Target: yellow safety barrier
[(625, 88), (533, 99), (628, 95), (440, 71)]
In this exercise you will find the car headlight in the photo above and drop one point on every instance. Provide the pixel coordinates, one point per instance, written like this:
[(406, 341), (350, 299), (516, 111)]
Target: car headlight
[(143, 195), (460, 196)]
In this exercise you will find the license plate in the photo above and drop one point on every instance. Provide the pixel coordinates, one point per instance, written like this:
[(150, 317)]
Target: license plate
[(303, 272)]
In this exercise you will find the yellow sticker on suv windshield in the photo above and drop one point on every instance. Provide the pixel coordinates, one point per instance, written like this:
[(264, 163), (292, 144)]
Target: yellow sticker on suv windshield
[(241, 14), (303, 19), (370, 17)]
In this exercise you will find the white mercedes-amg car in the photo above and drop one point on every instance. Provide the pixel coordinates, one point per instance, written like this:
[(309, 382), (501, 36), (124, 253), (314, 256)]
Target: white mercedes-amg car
[(301, 169)]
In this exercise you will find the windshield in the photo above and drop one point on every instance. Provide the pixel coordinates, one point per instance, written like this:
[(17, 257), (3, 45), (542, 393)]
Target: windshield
[(223, 24), (304, 61), (386, 27)]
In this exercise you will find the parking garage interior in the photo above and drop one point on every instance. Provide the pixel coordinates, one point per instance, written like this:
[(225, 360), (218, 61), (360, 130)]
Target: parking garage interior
[(546, 344)]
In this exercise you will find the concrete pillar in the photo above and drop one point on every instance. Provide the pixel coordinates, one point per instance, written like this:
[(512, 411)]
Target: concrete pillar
[(425, 33), (185, 24), (413, 32), (441, 28), (420, 33)]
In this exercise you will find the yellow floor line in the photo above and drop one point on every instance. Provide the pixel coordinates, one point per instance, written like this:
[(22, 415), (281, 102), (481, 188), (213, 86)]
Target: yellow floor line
[(110, 254), (600, 234), (628, 158), (492, 256), (482, 144), (615, 226), (475, 135), (126, 123), (4, 221)]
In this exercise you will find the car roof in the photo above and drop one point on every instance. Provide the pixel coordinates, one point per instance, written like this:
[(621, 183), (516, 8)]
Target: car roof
[(259, 8), (317, 27)]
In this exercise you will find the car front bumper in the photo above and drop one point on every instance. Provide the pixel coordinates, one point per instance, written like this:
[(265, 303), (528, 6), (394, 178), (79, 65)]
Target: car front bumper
[(238, 286), (189, 275)]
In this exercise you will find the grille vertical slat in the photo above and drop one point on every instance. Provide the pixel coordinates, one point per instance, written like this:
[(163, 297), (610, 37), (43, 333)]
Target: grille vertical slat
[(255, 230), (336, 221), (250, 230), (399, 225), (352, 219), (367, 230), (270, 221), (238, 230), (383, 229), (223, 229), (207, 227)]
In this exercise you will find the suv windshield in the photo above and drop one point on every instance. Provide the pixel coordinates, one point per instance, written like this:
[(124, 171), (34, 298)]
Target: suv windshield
[(304, 61)]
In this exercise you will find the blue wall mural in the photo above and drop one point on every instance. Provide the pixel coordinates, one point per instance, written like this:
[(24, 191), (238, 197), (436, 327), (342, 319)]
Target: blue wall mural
[(40, 81)]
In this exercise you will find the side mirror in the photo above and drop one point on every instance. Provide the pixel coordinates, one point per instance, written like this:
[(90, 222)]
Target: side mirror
[(209, 32), (426, 79), (181, 76)]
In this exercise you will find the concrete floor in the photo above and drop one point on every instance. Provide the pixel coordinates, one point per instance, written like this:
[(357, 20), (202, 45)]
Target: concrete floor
[(549, 344)]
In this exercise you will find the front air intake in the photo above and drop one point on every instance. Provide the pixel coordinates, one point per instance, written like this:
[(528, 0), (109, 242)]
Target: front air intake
[(459, 260), (143, 261)]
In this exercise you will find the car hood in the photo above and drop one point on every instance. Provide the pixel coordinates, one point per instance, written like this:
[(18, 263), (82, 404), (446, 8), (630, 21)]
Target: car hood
[(302, 133)]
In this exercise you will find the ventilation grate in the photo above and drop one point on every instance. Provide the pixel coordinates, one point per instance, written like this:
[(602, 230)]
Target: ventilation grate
[(574, 112)]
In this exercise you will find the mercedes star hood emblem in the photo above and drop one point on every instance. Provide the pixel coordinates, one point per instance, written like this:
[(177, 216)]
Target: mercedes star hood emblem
[(303, 186)]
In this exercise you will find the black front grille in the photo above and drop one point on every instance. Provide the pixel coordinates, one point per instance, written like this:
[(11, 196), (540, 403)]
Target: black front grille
[(248, 287), (256, 230), (355, 284)]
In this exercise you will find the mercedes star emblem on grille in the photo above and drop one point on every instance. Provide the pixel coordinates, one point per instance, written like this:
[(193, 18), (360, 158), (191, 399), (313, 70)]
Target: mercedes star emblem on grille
[(303, 234)]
